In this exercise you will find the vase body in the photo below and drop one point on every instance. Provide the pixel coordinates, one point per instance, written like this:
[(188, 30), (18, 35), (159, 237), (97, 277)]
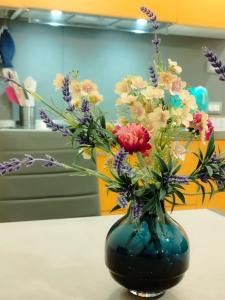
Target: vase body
[(148, 259)]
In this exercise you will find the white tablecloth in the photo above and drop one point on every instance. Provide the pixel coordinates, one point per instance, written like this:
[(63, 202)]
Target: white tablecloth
[(64, 259)]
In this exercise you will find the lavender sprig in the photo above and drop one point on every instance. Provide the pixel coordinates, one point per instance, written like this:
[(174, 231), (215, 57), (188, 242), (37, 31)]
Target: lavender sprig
[(137, 211), (122, 199), (50, 124), (148, 13), (174, 179), (66, 93), (153, 76), (85, 106), (84, 140), (15, 164), (215, 63), (85, 119), (119, 163), (152, 17)]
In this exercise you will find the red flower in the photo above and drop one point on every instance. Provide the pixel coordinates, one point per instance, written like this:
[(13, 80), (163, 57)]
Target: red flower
[(133, 138)]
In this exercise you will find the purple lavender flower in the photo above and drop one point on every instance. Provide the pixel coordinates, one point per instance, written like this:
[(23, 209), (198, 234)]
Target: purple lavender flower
[(215, 63), (122, 199), (50, 161), (137, 210), (148, 13), (153, 76), (173, 179), (85, 106), (119, 163), (215, 159), (85, 119), (220, 183), (82, 139), (66, 93), (50, 124), (156, 41), (15, 164)]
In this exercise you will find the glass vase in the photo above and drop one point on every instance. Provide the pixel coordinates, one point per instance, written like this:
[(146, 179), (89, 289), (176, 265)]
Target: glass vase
[(149, 258)]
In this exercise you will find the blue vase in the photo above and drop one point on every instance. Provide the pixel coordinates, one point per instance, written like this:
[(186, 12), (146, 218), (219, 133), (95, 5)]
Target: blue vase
[(149, 259)]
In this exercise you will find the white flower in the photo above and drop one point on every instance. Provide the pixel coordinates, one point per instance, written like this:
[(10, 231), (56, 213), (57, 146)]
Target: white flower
[(159, 117), (173, 67), (179, 151), (153, 93)]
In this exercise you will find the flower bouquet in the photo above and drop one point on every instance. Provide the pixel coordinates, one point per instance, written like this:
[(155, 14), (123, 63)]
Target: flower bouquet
[(146, 251)]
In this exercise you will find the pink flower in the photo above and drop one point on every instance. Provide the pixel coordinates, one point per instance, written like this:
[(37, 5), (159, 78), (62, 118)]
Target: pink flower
[(202, 124), (210, 130), (133, 138), (177, 86)]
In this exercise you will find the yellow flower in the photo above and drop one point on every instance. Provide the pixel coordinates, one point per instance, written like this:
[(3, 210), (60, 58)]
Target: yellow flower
[(137, 82), (86, 153), (149, 107), (95, 98), (88, 87), (121, 87), (123, 121), (109, 126), (173, 67), (166, 79), (126, 99), (76, 102), (159, 117), (58, 82), (153, 92), (75, 87), (137, 111)]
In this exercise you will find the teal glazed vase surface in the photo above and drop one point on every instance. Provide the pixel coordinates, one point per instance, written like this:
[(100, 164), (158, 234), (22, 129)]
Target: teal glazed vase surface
[(149, 259)]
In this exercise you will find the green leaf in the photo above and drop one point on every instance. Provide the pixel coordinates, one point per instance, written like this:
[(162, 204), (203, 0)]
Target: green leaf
[(180, 196), (176, 169), (173, 202), (162, 194), (140, 192), (162, 164), (212, 190), (203, 192), (102, 121), (210, 170), (211, 148), (156, 176), (115, 208), (170, 164)]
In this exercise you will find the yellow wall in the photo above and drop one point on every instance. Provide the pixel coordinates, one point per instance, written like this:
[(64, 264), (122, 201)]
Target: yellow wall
[(195, 13)]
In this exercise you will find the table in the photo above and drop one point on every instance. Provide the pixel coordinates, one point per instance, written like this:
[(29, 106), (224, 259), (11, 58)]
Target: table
[(64, 259)]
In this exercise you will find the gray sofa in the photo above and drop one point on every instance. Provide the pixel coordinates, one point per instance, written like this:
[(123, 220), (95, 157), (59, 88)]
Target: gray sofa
[(43, 193)]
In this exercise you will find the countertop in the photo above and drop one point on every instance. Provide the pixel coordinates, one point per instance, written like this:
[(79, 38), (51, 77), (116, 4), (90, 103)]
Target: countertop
[(64, 259), (219, 134)]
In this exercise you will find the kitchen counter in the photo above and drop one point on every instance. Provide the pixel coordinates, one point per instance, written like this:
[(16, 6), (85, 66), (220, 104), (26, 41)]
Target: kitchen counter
[(219, 134), (64, 259)]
